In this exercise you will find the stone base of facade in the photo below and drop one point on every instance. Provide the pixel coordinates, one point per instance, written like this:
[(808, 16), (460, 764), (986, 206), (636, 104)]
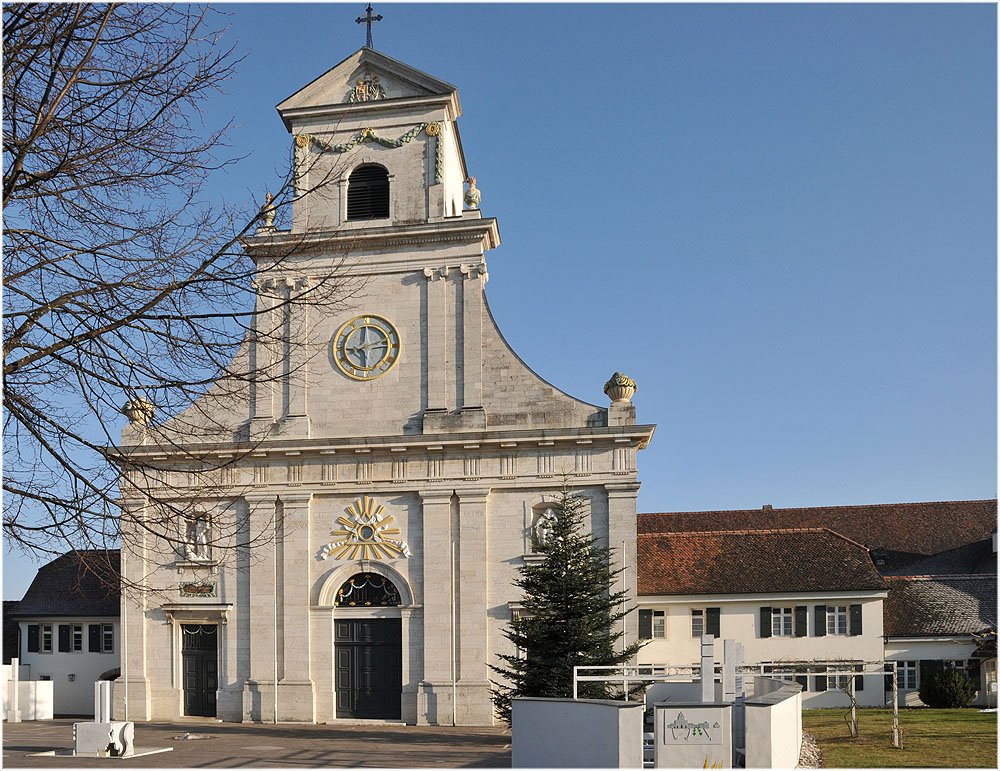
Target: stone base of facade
[(473, 704)]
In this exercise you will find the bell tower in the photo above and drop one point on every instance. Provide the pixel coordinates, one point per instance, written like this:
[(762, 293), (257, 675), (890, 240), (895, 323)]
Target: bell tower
[(373, 112)]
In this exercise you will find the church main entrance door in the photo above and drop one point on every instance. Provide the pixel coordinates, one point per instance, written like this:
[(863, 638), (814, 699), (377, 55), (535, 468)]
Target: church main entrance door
[(369, 667), (200, 661)]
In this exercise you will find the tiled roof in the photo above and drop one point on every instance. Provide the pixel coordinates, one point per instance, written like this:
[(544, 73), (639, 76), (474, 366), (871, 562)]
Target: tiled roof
[(922, 606), (81, 583), (977, 557), (907, 531), (745, 561)]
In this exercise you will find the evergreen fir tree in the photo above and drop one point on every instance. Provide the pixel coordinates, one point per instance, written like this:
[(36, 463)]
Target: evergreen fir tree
[(570, 617)]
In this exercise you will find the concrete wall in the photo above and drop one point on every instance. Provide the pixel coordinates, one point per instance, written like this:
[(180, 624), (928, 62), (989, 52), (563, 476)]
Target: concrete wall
[(585, 733), (35, 698), (72, 696), (773, 720)]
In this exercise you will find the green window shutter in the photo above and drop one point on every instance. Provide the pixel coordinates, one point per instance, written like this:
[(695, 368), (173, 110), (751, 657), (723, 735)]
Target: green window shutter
[(712, 621), (820, 628), (888, 678), (859, 683), (33, 638), (801, 620), (645, 624), (765, 622), (94, 632), (803, 680), (855, 620), (820, 682)]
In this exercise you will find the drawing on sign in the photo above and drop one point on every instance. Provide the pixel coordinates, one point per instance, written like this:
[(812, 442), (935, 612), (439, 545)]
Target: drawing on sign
[(682, 730)]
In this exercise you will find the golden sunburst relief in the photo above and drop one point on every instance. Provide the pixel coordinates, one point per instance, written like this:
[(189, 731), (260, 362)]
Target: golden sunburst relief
[(364, 535)]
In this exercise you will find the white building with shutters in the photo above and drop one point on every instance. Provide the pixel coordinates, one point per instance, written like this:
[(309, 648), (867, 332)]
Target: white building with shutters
[(68, 628)]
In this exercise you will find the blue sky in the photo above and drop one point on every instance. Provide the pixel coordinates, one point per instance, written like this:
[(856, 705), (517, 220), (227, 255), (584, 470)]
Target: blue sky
[(780, 220)]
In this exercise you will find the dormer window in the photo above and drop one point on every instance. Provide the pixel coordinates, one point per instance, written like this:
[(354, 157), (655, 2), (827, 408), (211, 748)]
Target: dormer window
[(368, 193)]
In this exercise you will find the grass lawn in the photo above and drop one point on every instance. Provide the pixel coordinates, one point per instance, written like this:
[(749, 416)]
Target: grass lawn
[(932, 738)]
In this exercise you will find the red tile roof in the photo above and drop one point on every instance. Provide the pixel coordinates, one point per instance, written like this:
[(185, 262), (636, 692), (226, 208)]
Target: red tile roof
[(907, 531), (751, 561)]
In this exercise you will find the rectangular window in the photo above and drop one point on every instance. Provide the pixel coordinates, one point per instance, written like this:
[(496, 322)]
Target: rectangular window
[(659, 624), (836, 619), (697, 622), (834, 681), (781, 622), (46, 638), (107, 638), (906, 675), (77, 638)]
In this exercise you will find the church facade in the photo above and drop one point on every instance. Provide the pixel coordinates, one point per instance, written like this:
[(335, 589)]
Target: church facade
[(355, 558)]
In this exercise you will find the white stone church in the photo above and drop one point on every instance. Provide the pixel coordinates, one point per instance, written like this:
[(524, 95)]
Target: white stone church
[(396, 475)]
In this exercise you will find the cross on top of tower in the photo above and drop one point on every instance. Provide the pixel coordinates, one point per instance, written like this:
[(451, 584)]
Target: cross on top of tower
[(368, 19)]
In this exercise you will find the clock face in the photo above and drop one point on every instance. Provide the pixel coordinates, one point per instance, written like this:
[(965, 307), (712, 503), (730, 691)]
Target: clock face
[(366, 347)]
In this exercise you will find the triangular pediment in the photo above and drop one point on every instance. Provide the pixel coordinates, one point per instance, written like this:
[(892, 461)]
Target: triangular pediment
[(366, 75)]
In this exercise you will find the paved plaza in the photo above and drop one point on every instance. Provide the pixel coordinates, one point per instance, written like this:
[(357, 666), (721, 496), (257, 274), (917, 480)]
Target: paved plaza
[(237, 745)]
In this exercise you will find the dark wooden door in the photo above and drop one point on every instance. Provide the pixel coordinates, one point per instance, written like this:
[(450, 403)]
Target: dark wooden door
[(368, 655), (200, 661)]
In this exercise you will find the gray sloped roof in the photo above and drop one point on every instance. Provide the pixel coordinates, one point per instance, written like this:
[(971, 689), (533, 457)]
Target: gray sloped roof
[(80, 583), (941, 605)]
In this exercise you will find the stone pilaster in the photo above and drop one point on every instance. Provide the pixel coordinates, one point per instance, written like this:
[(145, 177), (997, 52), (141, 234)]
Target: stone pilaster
[(296, 386), (472, 321), (296, 694), (265, 615), (437, 338), (621, 531), (133, 643), (264, 360), (473, 698), (434, 689)]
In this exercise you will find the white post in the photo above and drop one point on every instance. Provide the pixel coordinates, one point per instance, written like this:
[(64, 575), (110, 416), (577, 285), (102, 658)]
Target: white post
[(14, 713), (854, 707), (896, 739), (707, 668), (729, 670)]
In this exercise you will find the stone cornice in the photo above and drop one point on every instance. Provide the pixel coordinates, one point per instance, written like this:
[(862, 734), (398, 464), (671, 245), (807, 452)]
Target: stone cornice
[(638, 436), (483, 231), (335, 112)]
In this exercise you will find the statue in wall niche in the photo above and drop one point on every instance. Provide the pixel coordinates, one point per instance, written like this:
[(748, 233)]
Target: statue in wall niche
[(196, 538), (472, 195), (544, 528)]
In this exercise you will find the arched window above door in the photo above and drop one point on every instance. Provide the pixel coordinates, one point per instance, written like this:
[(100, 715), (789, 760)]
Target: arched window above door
[(367, 590), (368, 193)]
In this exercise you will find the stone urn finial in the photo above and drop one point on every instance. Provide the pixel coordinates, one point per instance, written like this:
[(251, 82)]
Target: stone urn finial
[(138, 411), (620, 388), (473, 195)]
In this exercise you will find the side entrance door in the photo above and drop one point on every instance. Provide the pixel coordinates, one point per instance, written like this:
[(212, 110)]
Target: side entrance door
[(369, 667), (200, 662)]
